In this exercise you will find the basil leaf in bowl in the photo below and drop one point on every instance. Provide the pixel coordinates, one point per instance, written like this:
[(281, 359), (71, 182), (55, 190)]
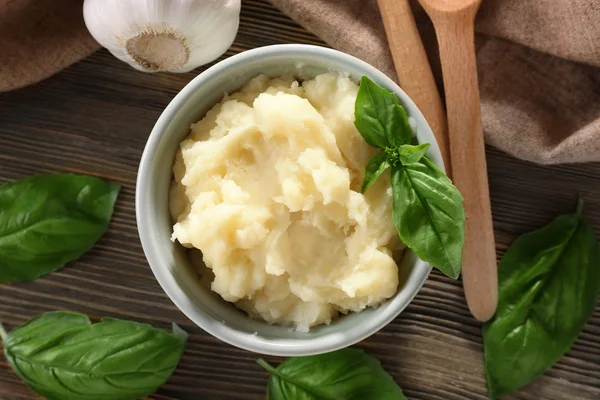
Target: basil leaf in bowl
[(49, 220), (63, 356), (429, 214), (349, 374), (409, 154), (549, 281), (379, 117), (427, 208), (375, 167)]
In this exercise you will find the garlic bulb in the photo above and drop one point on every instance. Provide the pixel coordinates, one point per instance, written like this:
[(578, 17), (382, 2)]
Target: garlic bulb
[(163, 35)]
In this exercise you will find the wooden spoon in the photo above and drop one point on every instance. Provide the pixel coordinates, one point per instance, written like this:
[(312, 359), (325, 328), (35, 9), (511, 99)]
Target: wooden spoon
[(413, 69), (454, 25)]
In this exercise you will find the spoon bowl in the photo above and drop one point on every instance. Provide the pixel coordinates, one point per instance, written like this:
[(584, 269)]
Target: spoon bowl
[(447, 6)]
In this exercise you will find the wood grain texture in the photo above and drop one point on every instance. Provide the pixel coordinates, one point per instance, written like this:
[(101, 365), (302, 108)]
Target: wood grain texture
[(95, 118), (455, 32), (413, 70)]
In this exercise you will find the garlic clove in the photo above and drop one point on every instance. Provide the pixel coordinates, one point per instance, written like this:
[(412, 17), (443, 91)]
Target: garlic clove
[(163, 35)]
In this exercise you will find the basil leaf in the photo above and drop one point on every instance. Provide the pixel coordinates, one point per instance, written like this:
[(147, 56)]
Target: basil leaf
[(429, 216), (349, 374), (549, 281), (428, 210), (379, 118), (404, 132), (49, 220), (62, 356), (375, 167), (410, 154)]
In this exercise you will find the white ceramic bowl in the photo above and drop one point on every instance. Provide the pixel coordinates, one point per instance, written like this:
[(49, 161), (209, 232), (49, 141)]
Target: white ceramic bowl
[(168, 260)]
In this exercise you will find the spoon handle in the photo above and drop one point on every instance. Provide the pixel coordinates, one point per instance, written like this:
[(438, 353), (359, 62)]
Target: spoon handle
[(455, 33), (413, 69)]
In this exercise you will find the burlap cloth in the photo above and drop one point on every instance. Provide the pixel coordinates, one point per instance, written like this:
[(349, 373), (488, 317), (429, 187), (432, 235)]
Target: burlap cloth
[(539, 61)]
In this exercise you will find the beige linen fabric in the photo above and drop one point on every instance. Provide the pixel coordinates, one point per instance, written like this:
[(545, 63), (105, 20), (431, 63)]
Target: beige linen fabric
[(39, 38)]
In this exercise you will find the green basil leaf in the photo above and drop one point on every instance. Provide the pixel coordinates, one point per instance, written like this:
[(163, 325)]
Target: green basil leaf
[(549, 281), (410, 154), (429, 215), (62, 356), (375, 167), (349, 374), (404, 132), (49, 220), (379, 117)]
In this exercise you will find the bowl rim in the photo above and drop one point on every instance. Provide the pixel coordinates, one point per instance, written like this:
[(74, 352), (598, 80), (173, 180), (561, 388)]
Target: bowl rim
[(278, 347)]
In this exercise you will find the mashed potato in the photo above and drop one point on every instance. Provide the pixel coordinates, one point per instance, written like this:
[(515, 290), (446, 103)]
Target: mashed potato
[(267, 186)]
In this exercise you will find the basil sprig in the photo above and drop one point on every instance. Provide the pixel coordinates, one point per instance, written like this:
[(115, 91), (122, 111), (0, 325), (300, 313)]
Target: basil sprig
[(349, 374), (549, 281), (427, 207), (49, 220), (63, 356)]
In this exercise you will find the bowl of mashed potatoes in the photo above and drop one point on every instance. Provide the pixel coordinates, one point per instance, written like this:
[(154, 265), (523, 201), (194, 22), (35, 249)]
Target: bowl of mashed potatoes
[(249, 206)]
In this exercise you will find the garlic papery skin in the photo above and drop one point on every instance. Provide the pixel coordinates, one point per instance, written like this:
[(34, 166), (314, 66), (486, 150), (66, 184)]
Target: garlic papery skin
[(163, 35)]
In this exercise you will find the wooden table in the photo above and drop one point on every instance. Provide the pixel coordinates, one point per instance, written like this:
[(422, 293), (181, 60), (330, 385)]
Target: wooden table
[(95, 117)]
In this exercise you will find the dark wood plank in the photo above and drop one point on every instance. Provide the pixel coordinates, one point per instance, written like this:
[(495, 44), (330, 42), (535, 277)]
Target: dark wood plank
[(95, 118)]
